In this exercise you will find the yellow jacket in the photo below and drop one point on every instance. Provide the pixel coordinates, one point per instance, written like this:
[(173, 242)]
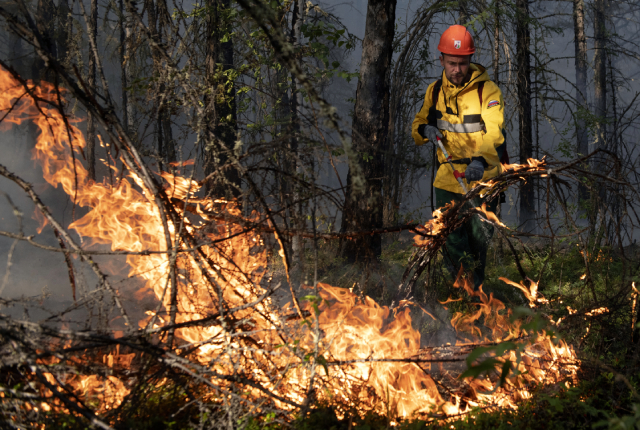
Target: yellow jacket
[(470, 131)]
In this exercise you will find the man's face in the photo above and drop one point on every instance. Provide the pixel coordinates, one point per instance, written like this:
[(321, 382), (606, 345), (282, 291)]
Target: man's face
[(456, 67)]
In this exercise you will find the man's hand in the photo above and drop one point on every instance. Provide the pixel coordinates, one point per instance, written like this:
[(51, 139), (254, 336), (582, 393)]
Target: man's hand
[(475, 171), (429, 132)]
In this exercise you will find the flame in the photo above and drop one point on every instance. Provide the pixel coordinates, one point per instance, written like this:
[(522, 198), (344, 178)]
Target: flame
[(531, 163), (431, 228), (599, 258), (598, 311), (531, 292), (634, 315), (491, 216), (372, 353)]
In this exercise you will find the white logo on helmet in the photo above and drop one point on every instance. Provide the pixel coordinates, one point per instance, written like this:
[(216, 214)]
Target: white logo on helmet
[(457, 44)]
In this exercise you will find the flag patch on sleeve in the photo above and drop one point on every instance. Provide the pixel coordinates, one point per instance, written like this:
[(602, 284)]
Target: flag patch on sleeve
[(493, 103)]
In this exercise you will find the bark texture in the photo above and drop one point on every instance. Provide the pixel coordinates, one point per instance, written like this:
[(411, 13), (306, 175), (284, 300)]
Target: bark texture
[(363, 200), (523, 88)]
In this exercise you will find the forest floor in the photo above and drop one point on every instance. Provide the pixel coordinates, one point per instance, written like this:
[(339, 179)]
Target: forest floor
[(606, 395), (608, 380)]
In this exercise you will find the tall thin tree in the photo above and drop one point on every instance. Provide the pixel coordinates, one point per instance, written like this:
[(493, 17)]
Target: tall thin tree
[(363, 199), (600, 70), (91, 83), (580, 42), (122, 51), (221, 121), (496, 42), (295, 150), (523, 89)]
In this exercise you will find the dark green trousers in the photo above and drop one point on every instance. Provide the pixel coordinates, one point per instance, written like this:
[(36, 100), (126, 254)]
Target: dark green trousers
[(468, 244)]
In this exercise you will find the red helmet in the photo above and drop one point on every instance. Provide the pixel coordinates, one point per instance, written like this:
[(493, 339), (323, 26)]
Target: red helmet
[(456, 40)]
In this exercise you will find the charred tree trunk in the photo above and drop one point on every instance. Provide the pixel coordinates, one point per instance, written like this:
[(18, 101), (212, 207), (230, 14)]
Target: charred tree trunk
[(221, 122), (580, 42), (523, 86), (363, 200), (91, 83)]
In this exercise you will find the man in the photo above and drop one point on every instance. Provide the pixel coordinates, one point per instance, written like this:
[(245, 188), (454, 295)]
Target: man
[(466, 110)]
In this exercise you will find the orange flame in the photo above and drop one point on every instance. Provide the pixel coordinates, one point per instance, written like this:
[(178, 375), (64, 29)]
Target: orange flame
[(357, 332)]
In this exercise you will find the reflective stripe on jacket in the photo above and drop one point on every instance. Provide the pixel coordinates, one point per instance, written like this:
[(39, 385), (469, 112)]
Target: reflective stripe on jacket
[(470, 131)]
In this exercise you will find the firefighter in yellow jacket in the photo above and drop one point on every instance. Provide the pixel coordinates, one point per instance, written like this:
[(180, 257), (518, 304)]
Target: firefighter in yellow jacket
[(466, 110)]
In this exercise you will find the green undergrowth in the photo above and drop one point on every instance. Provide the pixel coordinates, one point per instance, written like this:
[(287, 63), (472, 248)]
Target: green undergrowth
[(600, 401), (590, 405), (559, 271), (603, 341)]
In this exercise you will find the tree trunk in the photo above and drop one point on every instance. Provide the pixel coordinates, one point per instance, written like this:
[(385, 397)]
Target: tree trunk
[(297, 208), (156, 16), (127, 71), (615, 204), (600, 108), (221, 106), (523, 87), (600, 65), (62, 31), (580, 42), (123, 65), (496, 44), (363, 203), (91, 83)]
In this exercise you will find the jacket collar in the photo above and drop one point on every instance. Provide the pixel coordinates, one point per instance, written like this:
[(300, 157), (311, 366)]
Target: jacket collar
[(478, 74)]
